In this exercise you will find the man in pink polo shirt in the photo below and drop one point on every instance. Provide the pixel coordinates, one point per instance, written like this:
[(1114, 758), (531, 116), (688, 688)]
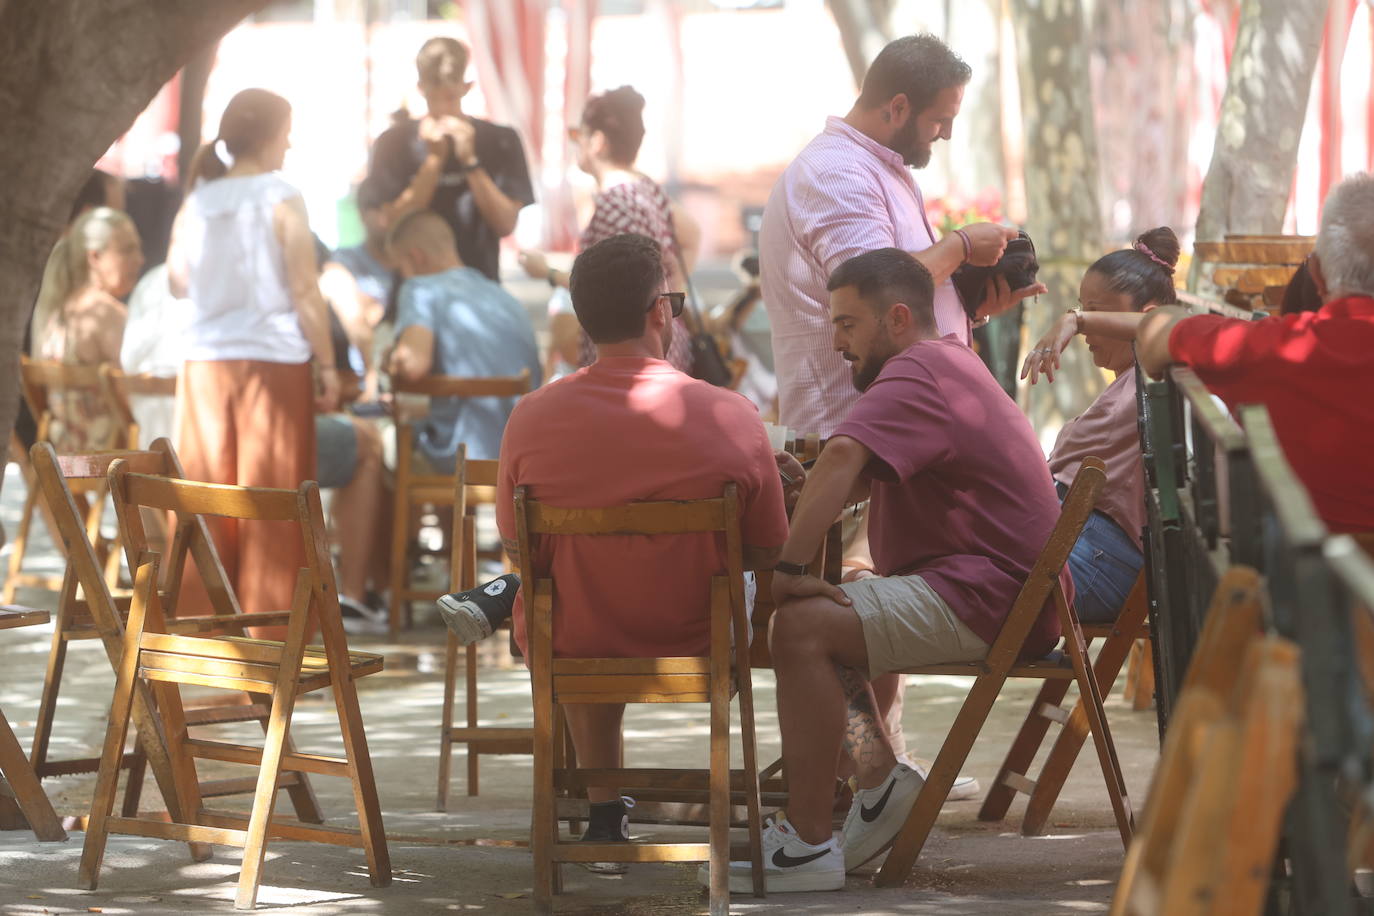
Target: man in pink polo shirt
[(961, 504), (849, 191), (628, 428)]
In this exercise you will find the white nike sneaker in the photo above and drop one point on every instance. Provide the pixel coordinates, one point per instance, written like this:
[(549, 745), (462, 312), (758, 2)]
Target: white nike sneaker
[(964, 788), (876, 815), (789, 863)]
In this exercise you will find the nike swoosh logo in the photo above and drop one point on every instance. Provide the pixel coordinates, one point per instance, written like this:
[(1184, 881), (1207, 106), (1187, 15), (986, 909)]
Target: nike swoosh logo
[(871, 814), (783, 860)]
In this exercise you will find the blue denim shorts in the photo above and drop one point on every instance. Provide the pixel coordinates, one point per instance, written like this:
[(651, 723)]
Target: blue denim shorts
[(1104, 563)]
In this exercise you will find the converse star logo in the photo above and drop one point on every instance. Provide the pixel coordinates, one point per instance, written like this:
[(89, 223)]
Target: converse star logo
[(495, 588), (871, 814)]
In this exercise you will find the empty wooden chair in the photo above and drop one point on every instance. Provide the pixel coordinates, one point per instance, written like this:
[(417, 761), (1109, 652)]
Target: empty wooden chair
[(17, 778), (474, 483), (1227, 770), (42, 383), (710, 679), (153, 656), (1003, 662), (99, 613), (414, 488), (1119, 641)]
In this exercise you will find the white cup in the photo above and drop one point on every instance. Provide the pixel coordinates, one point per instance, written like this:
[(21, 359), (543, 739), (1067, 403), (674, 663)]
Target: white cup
[(777, 436)]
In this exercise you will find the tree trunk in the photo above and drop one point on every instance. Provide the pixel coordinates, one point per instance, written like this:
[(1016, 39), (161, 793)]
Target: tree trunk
[(1248, 183), (73, 76), (865, 29), (1140, 69), (1062, 213)]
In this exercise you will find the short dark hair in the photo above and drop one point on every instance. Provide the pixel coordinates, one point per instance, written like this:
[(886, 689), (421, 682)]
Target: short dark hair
[(917, 66), (619, 115), (612, 283), (885, 276), (442, 61)]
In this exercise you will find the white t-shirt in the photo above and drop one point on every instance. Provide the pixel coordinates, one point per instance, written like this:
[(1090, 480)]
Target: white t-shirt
[(241, 305)]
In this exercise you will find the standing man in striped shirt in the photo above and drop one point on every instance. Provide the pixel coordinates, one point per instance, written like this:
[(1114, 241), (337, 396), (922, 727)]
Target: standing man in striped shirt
[(851, 190)]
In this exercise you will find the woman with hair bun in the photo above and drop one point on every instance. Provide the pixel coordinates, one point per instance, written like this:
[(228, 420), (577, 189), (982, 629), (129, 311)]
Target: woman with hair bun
[(1108, 555), (243, 254), (608, 140), (79, 319)]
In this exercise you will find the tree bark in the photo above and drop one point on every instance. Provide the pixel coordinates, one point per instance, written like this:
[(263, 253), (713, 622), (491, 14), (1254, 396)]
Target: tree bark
[(865, 29), (73, 76), (1062, 211), (1267, 87)]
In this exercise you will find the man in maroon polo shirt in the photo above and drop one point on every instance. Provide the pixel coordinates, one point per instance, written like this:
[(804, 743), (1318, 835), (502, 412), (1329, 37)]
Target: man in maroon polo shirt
[(1313, 370), (961, 503)]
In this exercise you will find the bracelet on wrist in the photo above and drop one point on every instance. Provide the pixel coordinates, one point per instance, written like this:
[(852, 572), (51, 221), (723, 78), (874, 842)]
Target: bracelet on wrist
[(791, 569), (968, 246)]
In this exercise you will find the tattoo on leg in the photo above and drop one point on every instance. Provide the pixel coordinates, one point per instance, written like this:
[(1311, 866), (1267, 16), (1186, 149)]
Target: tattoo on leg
[(863, 735)]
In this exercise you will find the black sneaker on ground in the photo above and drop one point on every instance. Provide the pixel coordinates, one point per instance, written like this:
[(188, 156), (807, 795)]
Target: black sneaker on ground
[(474, 614), (608, 822)]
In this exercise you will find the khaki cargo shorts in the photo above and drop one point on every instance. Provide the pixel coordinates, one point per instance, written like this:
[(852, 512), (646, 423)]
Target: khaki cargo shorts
[(906, 625)]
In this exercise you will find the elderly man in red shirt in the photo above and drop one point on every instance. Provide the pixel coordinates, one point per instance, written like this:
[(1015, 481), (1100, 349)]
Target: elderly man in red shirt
[(1313, 370)]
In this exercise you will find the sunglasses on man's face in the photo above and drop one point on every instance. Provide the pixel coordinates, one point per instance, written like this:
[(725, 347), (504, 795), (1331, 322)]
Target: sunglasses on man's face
[(675, 301)]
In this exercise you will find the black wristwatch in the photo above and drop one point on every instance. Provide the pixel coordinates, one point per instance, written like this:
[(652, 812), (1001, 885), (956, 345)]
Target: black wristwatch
[(791, 569), (465, 167)]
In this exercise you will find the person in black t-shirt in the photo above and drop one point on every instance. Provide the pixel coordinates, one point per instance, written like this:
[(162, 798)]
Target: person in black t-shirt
[(469, 171)]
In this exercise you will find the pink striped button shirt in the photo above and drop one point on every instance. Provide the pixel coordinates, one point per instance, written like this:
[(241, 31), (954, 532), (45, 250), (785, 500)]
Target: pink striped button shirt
[(844, 194)]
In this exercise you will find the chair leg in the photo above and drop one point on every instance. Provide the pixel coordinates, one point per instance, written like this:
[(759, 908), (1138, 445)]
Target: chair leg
[(1091, 701), (1023, 749), (752, 798), (28, 791), (20, 544), (111, 755), (719, 831), (544, 829), (133, 786), (52, 683), (365, 798), (301, 792), (1145, 680), (470, 700), (967, 724), (1055, 771), (446, 722), (400, 533)]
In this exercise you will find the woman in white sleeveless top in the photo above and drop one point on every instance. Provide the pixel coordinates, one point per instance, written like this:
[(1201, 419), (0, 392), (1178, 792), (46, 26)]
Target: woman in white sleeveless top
[(242, 253)]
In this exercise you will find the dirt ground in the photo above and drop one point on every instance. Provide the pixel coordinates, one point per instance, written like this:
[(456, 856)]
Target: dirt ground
[(474, 858)]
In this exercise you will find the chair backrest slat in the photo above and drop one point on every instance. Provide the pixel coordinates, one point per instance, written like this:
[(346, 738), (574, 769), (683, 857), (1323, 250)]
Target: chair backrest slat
[(97, 465), (197, 498), (663, 517), (1044, 575), (451, 386)]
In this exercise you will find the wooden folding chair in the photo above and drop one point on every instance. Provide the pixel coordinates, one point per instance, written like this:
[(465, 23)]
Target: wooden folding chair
[(712, 679), (17, 778), (1119, 640), (40, 382), (474, 483), (280, 670), (413, 488), (99, 614), (123, 388), (1227, 770), (1003, 661)]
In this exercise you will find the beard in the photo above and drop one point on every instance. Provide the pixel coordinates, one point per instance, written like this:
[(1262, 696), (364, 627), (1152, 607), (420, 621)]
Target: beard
[(868, 368), (915, 153)]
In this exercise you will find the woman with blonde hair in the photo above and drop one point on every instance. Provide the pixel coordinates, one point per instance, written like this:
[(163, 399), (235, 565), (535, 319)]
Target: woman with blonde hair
[(79, 319), (242, 253)]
